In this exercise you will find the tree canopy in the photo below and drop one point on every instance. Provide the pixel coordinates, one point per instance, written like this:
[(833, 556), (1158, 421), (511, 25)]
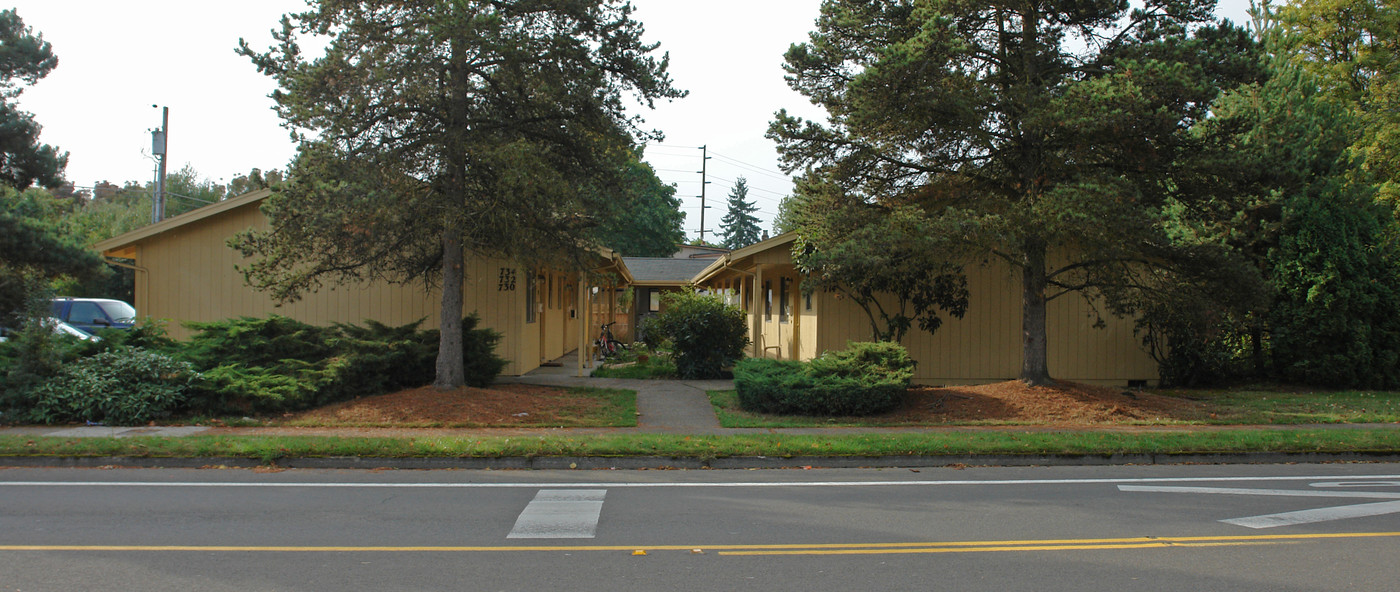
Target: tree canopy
[(1050, 135), (25, 58), (34, 249), (644, 218), (433, 129), (886, 261)]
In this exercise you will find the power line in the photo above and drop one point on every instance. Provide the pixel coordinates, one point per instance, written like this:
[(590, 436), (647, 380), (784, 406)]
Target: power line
[(754, 168)]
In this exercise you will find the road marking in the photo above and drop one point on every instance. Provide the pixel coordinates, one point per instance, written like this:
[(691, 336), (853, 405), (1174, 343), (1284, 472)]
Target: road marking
[(794, 548), (671, 484), (1316, 515), (560, 514), (1301, 516), (1356, 484), (1272, 492)]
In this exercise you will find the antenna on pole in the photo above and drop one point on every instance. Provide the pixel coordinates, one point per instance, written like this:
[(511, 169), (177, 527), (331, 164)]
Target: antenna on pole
[(703, 152), (158, 146)]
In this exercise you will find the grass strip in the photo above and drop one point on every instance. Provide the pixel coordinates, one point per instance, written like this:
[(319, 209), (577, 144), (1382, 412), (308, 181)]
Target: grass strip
[(271, 448), (654, 369)]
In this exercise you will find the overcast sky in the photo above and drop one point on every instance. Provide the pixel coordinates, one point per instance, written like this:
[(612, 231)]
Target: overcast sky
[(117, 59)]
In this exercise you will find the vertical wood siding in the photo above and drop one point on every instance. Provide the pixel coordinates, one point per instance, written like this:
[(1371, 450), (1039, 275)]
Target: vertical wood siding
[(985, 345), (191, 277)]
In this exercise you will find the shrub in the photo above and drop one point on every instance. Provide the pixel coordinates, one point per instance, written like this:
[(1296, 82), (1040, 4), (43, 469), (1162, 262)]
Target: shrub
[(120, 387), (864, 379), (279, 364), (478, 353), (32, 357), (649, 336), (705, 333)]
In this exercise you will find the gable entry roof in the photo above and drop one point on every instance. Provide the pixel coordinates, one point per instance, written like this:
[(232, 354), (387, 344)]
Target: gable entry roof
[(664, 271)]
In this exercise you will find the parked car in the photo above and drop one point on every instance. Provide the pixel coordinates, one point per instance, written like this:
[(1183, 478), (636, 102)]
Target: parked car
[(59, 328), (91, 314)]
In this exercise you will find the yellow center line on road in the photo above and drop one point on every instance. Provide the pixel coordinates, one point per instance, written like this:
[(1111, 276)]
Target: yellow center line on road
[(756, 549), (1003, 549)]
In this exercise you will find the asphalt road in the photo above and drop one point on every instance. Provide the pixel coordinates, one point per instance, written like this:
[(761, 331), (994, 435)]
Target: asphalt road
[(1197, 528)]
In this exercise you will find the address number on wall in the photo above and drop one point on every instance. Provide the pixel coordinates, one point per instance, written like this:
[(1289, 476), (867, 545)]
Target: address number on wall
[(506, 280)]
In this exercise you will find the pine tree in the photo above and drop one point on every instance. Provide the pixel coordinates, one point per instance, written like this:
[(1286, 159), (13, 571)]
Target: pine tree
[(436, 128), (739, 227), (1051, 136)]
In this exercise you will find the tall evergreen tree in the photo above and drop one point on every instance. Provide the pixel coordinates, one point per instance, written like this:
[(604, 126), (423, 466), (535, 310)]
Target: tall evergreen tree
[(739, 226), (438, 128), (34, 248), (1050, 135), (25, 58)]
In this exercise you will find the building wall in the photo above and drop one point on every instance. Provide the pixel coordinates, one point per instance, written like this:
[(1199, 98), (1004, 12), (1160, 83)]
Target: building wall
[(985, 345), (190, 276)]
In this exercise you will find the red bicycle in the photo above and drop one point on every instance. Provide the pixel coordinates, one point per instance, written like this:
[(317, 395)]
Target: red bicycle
[(607, 345)]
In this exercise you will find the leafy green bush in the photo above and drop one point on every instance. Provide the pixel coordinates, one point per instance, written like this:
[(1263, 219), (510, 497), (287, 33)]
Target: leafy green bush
[(706, 333), (120, 387), (1337, 275), (863, 379), (649, 336)]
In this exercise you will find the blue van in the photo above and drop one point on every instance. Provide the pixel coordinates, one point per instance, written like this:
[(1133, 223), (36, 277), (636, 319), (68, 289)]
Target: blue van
[(91, 314)]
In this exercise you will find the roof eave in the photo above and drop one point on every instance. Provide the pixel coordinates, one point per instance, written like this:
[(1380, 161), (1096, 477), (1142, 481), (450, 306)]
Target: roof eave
[(120, 246)]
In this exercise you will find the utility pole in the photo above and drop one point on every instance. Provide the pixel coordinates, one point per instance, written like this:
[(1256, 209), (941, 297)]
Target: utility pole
[(703, 183), (158, 145)]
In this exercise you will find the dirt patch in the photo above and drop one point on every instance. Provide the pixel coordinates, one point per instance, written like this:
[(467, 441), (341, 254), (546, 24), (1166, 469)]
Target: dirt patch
[(1065, 403), (504, 405)]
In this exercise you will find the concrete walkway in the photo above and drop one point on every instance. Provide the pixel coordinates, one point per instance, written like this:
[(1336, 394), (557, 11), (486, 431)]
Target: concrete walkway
[(663, 406)]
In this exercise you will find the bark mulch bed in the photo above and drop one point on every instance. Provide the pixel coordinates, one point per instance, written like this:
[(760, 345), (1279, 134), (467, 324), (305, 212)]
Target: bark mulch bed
[(521, 405), (1065, 403), (507, 405)]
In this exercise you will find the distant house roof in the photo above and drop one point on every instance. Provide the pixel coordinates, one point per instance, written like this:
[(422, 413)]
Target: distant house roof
[(698, 252), (664, 271)]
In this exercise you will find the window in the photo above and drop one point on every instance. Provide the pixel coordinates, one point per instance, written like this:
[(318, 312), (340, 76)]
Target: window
[(808, 299), (550, 287), (784, 303), (654, 303), (767, 301), (531, 295), (86, 312)]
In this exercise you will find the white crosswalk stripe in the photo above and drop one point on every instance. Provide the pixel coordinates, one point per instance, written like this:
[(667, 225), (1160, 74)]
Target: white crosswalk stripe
[(560, 514)]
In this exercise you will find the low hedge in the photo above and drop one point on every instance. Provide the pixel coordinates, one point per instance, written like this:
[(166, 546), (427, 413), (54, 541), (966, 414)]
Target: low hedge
[(863, 379), (277, 364)]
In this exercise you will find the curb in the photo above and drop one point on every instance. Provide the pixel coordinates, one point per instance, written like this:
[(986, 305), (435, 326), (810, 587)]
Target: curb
[(695, 463)]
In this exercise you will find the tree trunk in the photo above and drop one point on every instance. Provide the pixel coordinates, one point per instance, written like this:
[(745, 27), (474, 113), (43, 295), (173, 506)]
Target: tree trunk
[(1035, 370), (450, 370)]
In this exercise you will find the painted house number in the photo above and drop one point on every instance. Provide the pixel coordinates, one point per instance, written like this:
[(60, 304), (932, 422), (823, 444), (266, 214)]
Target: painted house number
[(506, 280)]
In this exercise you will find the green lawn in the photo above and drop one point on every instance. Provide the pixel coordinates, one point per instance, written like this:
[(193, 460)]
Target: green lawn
[(1265, 406), (1001, 442), (651, 367)]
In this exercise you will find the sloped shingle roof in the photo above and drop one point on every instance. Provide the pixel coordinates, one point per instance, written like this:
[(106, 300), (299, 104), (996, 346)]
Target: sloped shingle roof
[(664, 270)]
